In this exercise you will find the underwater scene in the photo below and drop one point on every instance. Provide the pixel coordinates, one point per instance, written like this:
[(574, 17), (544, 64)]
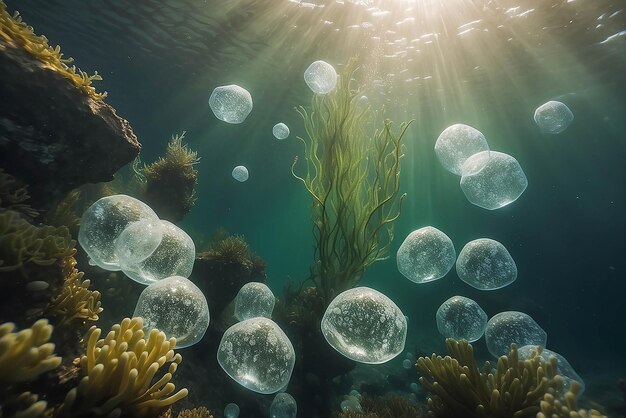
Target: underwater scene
[(313, 208)]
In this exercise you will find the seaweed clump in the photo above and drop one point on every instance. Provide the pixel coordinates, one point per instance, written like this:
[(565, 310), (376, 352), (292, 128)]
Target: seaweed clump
[(118, 373), (459, 389), (17, 33), (168, 184), (13, 196), (383, 407), (552, 407), (354, 182), (24, 356)]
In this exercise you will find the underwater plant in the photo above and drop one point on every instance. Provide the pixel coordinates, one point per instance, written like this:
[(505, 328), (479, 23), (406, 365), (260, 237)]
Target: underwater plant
[(354, 182), (513, 390), (552, 407), (119, 373), (13, 196), (74, 302), (383, 407), (15, 32), (201, 412), (168, 184), (64, 212)]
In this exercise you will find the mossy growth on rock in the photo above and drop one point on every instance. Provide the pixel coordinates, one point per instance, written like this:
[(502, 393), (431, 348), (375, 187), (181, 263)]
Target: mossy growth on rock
[(168, 184), (15, 33)]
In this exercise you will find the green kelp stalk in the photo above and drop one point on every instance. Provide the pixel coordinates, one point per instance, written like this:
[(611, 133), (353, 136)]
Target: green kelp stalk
[(354, 180)]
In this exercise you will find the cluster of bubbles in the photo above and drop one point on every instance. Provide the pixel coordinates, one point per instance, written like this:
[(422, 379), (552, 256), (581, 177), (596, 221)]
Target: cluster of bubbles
[(365, 326), (489, 179), (122, 233), (232, 103)]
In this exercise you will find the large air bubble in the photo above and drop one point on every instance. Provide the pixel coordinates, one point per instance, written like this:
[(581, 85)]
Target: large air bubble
[(283, 406), (456, 144), (231, 103), (553, 117), (512, 327), (461, 318), (254, 299), (426, 254), (321, 77), (486, 265)]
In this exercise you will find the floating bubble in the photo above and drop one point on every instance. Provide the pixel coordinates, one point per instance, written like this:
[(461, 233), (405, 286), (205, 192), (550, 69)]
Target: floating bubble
[(563, 368), (355, 393), (280, 131), (512, 327), (425, 255), (175, 306), (413, 387), (486, 265), (363, 100), (351, 404), (254, 299), (240, 173), (407, 364), (553, 117), (365, 325), (257, 354), (283, 406), (138, 241), (104, 221), (231, 104), (321, 77), (461, 318), (174, 256), (492, 179), (456, 144), (231, 411)]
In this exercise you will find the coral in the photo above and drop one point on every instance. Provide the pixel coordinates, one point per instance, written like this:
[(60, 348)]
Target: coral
[(21, 243), (13, 196), (458, 388), (15, 32), (195, 413), (169, 182), (552, 407), (26, 354), (118, 373), (75, 302), (354, 184)]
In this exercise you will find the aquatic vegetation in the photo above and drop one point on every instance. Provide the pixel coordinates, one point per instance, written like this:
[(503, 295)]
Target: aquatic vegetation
[(485, 264), (383, 407), (461, 318), (176, 307), (17, 33), (563, 369), (364, 325), (254, 299), (456, 144), (425, 255), (120, 373), (233, 249), (22, 243), (13, 196), (64, 214), (257, 354), (321, 77), (552, 407), (26, 354), (74, 302), (280, 131), (231, 104), (553, 117), (201, 412), (492, 179), (168, 184), (354, 182), (240, 173), (513, 390), (512, 327)]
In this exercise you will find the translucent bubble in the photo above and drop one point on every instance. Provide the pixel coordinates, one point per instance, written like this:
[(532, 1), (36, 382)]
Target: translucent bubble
[(240, 173), (511, 327), (257, 354), (425, 255), (413, 387), (104, 221), (363, 100), (175, 306), (486, 265), (321, 77), (231, 411), (351, 404), (231, 103), (174, 256), (254, 299), (553, 117), (492, 179), (407, 364), (563, 368), (355, 393), (138, 241), (456, 144), (283, 406), (365, 325), (461, 318), (280, 131)]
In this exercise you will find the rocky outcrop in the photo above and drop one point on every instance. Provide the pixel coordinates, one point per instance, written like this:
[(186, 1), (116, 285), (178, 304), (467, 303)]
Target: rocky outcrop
[(53, 136)]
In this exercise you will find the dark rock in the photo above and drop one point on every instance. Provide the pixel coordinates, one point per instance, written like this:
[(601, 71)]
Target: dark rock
[(53, 136)]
